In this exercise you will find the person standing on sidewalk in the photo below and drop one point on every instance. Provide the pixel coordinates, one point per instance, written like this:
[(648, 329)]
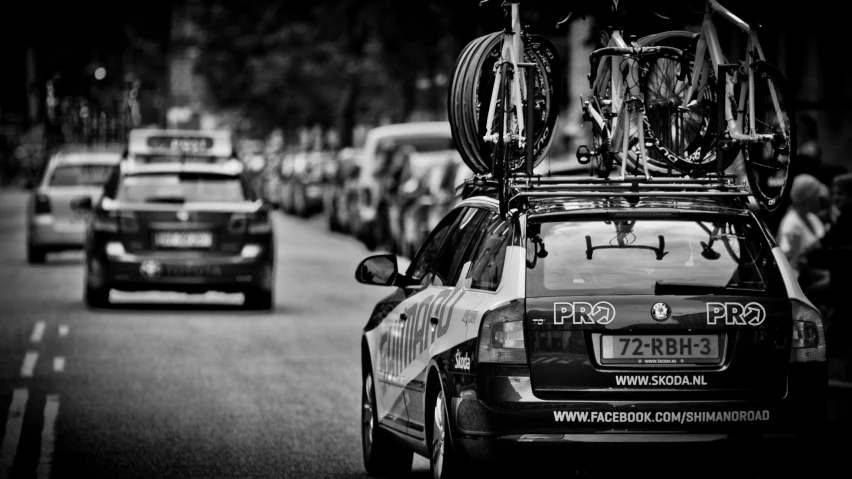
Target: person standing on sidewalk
[(834, 254), (801, 229)]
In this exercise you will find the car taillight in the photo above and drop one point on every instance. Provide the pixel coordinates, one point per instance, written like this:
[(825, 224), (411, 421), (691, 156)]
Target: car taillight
[(808, 334), (42, 205), (238, 224), (259, 224), (501, 335), (128, 223), (105, 221)]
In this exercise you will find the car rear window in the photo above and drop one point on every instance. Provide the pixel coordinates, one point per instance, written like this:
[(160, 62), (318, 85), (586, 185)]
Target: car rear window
[(722, 255), (81, 175), (181, 188), (421, 144)]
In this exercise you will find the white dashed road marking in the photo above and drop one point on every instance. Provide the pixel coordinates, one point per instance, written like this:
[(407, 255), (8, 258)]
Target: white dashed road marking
[(38, 332), (63, 330), (45, 460), (29, 364), (58, 364), (14, 424)]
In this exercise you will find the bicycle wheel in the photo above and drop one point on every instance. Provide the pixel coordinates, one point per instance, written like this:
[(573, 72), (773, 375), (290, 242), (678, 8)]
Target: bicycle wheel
[(459, 104), (456, 126), (770, 165), (607, 144), (682, 138), (478, 87)]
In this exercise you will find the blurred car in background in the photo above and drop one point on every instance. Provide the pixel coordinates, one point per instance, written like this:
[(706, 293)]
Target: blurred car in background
[(302, 182), (378, 172), (436, 195), (340, 196), (52, 225), (190, 226), (414, 191)]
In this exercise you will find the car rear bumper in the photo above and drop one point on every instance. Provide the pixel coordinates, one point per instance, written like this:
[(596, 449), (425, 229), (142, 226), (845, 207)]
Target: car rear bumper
[(48, 233), (503, 412), (638, 451), (142, 273)]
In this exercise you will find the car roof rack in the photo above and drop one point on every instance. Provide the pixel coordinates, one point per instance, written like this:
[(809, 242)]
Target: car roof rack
[(524, 187)]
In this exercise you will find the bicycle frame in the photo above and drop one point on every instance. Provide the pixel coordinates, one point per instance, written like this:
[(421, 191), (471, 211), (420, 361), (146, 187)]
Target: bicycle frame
[(512, 52), (621, 122), (709, 41)]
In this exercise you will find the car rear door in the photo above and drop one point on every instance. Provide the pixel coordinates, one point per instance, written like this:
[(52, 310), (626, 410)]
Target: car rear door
[(440, 300), (656, 309), (401, 337)]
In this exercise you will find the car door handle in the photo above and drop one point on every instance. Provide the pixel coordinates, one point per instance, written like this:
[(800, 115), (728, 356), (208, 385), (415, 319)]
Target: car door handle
[(434, 321), (403, 316)]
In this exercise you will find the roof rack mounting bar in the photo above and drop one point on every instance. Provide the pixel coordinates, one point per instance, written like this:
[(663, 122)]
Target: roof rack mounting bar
[(579, 194), (633, 179), (669, 187)]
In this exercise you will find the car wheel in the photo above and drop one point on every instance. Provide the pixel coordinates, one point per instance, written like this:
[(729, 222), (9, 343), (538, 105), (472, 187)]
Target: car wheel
[(331, 215), (382, 456), (35, 255), (299, 203), (97, 297), (258, 300), (444, 461)]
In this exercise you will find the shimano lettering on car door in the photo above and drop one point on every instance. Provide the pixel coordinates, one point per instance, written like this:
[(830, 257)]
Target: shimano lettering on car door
[(655, 308), (403, 334), (438, 328)]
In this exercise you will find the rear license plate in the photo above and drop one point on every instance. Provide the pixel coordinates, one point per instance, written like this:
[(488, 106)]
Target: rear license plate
[(183, 239), (660, 349)]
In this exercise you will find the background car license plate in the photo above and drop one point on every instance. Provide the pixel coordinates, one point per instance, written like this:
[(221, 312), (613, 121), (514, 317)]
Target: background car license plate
[(183, 239), (660, 349)]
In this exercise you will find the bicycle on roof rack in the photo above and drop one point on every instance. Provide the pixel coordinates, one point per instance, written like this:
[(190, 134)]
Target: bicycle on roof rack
[(755, 119), (648, 64), (503, 99), (626, 79)]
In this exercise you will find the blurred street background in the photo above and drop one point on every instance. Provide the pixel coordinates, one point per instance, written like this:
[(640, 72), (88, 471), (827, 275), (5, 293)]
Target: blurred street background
[(165, 385)]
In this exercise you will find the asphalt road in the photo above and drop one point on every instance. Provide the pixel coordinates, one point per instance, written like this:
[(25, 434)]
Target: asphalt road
[(169, 385), (172, 385)]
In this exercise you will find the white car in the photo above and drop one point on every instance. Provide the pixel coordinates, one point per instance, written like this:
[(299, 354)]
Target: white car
[(51, 223), (381, 142)]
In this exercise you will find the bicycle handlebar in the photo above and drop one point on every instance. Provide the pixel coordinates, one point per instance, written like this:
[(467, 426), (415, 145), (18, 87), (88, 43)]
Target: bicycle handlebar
[(635, 51), (631, 52)]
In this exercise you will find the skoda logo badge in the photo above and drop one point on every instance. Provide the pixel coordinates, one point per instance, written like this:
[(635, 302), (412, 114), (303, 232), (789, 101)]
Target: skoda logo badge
[(150, 269), (183, 215), (661, 312)]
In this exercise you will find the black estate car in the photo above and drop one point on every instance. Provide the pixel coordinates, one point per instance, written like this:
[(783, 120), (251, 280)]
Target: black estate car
[(594, 322)]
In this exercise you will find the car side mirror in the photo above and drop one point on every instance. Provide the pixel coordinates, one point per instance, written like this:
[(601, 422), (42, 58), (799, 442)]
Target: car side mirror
[(378, 270), (81, 203)]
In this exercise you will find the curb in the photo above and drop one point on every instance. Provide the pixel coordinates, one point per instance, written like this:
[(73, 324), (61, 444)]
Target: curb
[(840, 384)]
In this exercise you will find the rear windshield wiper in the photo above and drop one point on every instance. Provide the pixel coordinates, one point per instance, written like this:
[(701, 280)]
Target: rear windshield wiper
[(165, 199), (665, 287)]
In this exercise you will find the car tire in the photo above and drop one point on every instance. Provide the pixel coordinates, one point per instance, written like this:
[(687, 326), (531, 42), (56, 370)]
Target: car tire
[(35, 255), (331, 215), (97, 297), (444, 461), (258, 300), (300, 207), (382, 456)]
